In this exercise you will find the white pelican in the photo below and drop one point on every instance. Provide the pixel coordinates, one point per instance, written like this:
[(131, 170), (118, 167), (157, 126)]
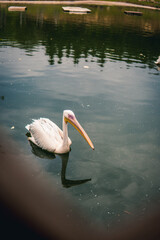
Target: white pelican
[(48, 136), (158, 61)]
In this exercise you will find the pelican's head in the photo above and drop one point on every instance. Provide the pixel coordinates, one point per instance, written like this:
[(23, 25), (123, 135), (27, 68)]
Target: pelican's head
[(69, 116)]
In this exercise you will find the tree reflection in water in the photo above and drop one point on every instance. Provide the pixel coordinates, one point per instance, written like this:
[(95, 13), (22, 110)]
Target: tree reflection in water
[(95, 37)]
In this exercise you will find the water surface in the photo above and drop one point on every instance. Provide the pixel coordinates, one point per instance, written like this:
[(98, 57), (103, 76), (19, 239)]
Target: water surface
[(100, 65)]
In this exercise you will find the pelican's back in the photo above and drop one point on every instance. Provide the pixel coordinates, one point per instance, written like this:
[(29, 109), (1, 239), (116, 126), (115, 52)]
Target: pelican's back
[(45, 134)]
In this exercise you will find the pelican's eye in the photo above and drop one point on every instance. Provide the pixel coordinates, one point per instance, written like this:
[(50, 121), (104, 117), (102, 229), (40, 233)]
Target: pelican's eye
[(71, 117)]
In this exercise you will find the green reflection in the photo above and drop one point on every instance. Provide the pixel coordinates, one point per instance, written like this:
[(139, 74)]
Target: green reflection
[(106, 33)]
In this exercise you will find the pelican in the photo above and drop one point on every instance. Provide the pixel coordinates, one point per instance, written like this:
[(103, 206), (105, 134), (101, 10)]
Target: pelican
[(48, 136), (158, 61)]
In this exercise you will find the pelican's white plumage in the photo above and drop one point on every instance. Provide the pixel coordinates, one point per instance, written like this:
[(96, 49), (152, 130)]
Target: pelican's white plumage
[(48, 136)]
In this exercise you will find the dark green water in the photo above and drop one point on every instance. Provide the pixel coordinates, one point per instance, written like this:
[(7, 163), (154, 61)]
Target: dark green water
[(101, 66)]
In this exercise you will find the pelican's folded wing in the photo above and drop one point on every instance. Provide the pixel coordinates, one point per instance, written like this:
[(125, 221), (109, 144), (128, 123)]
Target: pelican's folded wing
[(53, 130), (41, 136)]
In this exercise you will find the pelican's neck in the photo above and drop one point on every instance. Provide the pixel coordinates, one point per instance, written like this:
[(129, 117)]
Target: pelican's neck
[(65, 133)]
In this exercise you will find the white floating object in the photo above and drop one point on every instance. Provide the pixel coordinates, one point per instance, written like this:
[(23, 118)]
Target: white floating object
[(17, 8), (158, 61), (12, 127), (86, 66), (76, 10)]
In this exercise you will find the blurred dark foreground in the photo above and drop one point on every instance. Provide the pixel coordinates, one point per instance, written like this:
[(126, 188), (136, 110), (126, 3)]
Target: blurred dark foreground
[(31, 207)]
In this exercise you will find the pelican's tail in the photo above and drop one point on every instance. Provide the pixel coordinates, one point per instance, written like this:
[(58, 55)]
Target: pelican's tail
[(27, 126)]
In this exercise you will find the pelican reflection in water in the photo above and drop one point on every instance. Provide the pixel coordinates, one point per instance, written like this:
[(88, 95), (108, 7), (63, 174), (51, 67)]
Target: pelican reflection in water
[(47, 155)]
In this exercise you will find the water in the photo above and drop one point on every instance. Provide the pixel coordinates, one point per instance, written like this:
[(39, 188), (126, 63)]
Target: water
[(100, 65)]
